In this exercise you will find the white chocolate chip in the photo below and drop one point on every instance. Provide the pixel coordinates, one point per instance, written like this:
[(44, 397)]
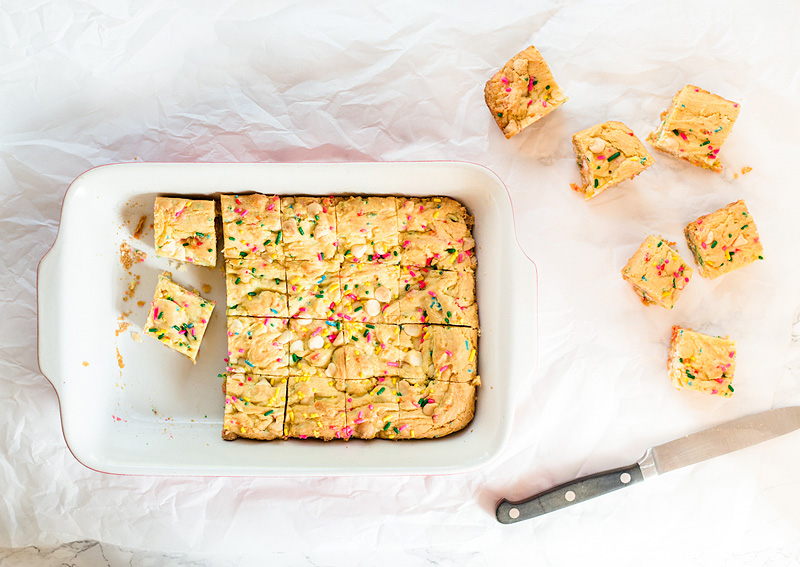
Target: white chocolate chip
[(557, 96), (372, 307), (330, 371), (339, 340), (303, 321), (359, 250), (285, 337), (739, 240), (597, 145), (380, 249), (236, 325), (709, 237), (670, 143), (296, 346), (414, 358), (315, 343), (314, 209), (520, 66), (428, 409), (383, 294), (412, 330)]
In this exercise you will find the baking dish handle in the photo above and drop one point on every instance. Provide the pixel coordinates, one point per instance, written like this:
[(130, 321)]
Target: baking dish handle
[(47, 318), (525, 336)]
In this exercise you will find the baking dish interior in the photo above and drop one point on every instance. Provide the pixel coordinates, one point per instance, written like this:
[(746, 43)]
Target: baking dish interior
[(137, 407)]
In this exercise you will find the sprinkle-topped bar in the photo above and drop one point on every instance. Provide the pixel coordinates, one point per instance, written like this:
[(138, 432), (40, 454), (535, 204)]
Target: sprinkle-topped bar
[(657, 273), (333, 303), (185, 230), (178, 317), (702, 363)]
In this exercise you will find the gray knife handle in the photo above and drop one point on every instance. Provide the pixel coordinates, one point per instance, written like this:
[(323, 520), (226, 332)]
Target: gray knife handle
[(568, 494)]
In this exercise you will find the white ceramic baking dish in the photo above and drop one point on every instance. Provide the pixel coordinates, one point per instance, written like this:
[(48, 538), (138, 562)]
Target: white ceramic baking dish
[(160, 414)]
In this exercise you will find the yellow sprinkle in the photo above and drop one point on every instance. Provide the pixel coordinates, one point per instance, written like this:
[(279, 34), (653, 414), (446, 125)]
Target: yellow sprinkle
[(472, 355), (453, 258), (436, 214)]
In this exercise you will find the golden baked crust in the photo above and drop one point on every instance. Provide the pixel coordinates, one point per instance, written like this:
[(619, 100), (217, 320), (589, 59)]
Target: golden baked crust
[(437, 296), (438, 352), (436, 233), (695, 126), (724, 240), (522, 92), (434, 409), (256, 287), (608, 154)]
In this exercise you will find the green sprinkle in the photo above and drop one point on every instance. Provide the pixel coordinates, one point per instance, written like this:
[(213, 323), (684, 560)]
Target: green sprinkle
[(659, 245), (300, 230), (705, 143), (251, 293), (161, 336), (357, 309), (388, 424), (547, 88), (382, 390), (152, 330), (231, 238), (500, 114), (614, 156), (761, 257), (690, 375), (278, 238), (745, 226), (423, 402), (730, 387), (242, 254), (295, 357), (676, 132), (239, 221), (238, 281), (596, 182), (277, 281), (160, 315), (269, 412), (370, 326), (714, 244)]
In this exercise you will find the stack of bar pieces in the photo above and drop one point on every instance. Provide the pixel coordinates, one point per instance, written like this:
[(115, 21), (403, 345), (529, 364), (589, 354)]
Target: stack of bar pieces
[(349, 317)]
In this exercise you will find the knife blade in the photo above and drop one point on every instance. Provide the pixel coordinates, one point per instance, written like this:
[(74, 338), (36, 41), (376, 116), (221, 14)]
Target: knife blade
[(689, 450)]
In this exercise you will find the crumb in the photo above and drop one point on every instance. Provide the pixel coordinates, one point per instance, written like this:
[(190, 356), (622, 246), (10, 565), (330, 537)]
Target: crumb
[(206, 288), (575, 187), (136, 336), (119, 360), (138, 232), (140, 303), (122, 326), (85, 363), (131, 288), (128, 256), (126, 313), (746, 170)]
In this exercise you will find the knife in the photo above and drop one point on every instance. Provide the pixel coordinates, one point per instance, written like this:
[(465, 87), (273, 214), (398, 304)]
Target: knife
[(720, 440)]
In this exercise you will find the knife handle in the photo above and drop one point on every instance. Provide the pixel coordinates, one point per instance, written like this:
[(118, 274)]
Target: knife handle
[(568, 494)]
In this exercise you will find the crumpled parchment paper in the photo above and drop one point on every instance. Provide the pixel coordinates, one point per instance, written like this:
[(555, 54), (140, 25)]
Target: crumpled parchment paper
[(91, 83)]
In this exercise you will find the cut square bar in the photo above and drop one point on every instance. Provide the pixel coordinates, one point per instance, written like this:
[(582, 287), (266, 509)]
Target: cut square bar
[(522, 92), (254, 407), (608, 154), (251, 225), (701, 362), (657, 272), (185, 230), (314, 288), (372, 407), (434, 409), (316, 408), (441, 353), (309, 228), (178, 317), (317, 347), (367, 229), (436, 233), (256, 288), (724, 240), (695, 126), (258, 345), (368, 291), (437, 296)]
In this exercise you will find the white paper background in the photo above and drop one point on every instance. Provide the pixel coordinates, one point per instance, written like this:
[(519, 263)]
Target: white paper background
[(90, 83)]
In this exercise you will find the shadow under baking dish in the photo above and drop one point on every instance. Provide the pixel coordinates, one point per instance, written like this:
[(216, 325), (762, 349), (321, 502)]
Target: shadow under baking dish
[(138, 408)]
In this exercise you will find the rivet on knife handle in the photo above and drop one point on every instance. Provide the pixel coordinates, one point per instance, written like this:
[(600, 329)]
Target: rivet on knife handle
[(568, 494)]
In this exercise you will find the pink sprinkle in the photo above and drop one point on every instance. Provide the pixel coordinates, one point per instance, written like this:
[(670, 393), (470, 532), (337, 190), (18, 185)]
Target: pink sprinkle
[(601, 157), (271, 207), (715, 391), (395, 364), (443, 368), (508, 89), (719, 380), (731, 354), (241, 350), (317, 331), (544, 103), (319, 256), (530, 84), (683, 136), (735, 106), (448, 353), (687, 279), (202, 320), (504, 80), (703, 245), (302, 309), (530, 101)]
